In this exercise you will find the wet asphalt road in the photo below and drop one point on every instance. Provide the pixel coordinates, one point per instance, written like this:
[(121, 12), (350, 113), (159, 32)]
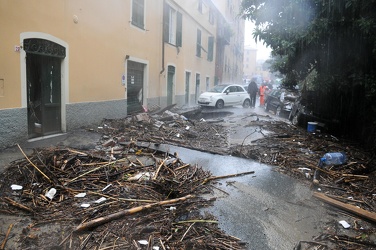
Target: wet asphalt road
[(268, 210)]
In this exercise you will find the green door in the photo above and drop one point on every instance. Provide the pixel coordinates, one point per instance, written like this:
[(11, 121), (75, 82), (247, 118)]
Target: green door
[(187, 79), (170, 84)]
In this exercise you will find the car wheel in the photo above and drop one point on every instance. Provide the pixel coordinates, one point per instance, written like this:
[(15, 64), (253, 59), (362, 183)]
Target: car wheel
[(295, 119), (220, 104), (247, 103), (278, 111)]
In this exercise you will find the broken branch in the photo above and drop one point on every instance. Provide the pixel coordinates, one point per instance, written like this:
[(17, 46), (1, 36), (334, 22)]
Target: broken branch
[(32, 164), (226, 176), (15, 204), (115, 216), (349, 208), (2, 247)]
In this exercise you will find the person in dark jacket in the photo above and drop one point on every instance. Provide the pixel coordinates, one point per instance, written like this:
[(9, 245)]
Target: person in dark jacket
[(252, 91)]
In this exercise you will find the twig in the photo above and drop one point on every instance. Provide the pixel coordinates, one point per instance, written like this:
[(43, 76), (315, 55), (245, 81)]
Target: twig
[(159, 168), (184, 166), (194, 221), (15, 204), (32, 164), (160, 240), (121, 199), (88, 172), (187, 231), (2, 247), (115, 216), (226, 176)]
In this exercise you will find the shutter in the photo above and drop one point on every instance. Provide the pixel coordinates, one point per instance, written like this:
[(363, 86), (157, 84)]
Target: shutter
[(179, 29), (166, 25), (210, 48), (198, 43)]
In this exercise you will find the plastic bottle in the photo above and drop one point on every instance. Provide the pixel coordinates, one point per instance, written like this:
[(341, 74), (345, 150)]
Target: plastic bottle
[(337, 158)]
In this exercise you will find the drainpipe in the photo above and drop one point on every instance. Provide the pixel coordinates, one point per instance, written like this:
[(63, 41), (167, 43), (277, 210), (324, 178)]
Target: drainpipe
[(163, 43)]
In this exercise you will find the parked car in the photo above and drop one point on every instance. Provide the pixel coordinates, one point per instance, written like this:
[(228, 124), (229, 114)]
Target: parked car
[(225, 95), (280, 101), (310, 106)]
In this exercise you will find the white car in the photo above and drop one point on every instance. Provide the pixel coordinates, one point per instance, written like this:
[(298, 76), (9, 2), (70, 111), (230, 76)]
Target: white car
[(225, 95)]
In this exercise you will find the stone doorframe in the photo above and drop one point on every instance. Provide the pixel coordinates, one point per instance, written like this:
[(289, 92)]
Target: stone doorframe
[(64, 73)]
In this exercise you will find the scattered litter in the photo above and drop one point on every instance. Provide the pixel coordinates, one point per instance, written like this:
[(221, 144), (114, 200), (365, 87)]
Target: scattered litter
[(142, 176), (16, 187), (51, 193), (80, 195), (85, 205), (344, 224), (100, 200), (109, 185), (304, 169), (143, 242), (158, 124)]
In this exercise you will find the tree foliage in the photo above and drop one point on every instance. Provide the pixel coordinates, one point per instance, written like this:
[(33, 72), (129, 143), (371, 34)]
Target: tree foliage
[(336, 38)]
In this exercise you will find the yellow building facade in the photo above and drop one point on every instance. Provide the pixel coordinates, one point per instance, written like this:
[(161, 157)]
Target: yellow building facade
[(67, 64)]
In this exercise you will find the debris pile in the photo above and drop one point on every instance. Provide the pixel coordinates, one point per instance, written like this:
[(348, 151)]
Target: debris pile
[(351, 187), (143, 199), (168, 127), (297, 152)]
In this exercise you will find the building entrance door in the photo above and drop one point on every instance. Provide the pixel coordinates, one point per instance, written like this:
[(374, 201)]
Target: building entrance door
[(135, 84), (43, 73), (170, 84)]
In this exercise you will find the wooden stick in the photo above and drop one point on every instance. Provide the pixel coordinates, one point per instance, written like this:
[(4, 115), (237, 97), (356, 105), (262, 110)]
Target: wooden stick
[(226, 176), (349, 208), (194, 221), (121, 199), (186, 231), (88, 172), (159, 168), (184, 166), (20, 206), (77, 152), (32, 164), (115, 216), (2, 247), (354, 175)]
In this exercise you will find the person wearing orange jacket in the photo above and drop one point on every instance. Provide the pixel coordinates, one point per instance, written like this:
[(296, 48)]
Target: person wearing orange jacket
[(263, 88)]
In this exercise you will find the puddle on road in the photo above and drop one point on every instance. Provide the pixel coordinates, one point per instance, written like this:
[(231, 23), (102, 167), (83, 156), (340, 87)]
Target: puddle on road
[(209, 114), (262, 208)]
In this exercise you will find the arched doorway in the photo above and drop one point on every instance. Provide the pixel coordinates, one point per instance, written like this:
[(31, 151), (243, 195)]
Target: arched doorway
[(43, 77)]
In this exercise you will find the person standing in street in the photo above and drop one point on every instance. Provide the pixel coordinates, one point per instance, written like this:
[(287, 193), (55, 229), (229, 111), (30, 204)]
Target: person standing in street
[(263, 87), (252, 91)]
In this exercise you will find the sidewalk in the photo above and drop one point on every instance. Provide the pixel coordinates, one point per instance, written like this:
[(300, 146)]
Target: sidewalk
[(78, 139)]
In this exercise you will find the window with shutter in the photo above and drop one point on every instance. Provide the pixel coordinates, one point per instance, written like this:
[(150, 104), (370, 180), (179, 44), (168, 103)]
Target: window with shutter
[(210, 48), (198, 45), (172, 26), (138, 14)]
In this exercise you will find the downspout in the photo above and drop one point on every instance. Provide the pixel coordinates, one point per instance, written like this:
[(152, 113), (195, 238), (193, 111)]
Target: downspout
[(163, 43)]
